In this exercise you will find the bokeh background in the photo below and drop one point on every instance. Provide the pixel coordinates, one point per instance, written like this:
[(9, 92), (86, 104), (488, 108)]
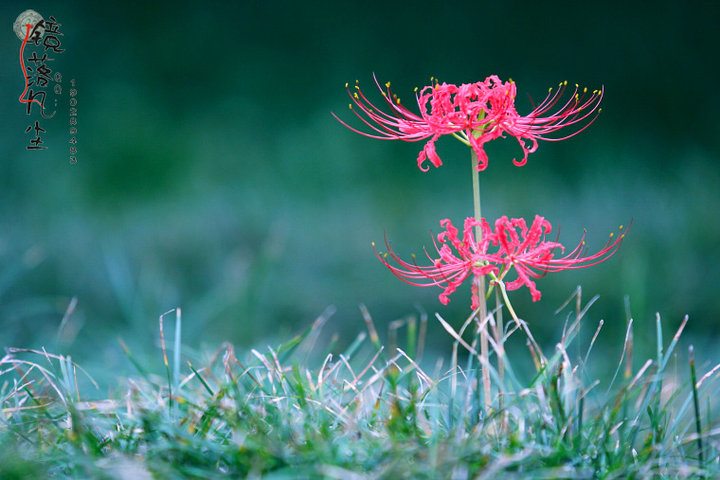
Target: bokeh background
[(212, 176)]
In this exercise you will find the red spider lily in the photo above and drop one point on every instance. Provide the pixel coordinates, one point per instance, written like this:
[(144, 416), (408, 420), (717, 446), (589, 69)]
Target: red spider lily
[(515, 246), (451, 268), (532, 256), (474, 113)]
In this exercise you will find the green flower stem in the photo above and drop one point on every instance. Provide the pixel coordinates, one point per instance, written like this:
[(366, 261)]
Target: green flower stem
[(521, 324), (499, 337), (480, 283)]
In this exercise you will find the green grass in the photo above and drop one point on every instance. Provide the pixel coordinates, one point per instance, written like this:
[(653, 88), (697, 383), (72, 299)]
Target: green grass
[(368, 412)]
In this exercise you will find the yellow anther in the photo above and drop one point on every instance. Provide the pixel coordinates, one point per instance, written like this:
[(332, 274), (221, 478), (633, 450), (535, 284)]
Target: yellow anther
[(585, 90), (356, 96), (387, 85), (413, 256), (549, 89), (565, 82), (621, 227), (384, 255), (612, 234), (350, 106), (372, 243), (416, 89), (599, 110), (577, 86), (384, 94), (583, 243), (346, 85), (397, 100)]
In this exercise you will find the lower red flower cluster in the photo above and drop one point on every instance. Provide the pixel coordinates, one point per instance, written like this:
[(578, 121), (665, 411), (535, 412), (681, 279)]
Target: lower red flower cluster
[(511, 246)]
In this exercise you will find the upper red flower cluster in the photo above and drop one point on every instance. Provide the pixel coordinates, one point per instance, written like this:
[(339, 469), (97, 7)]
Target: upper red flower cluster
[(515, 246), (475, 113)]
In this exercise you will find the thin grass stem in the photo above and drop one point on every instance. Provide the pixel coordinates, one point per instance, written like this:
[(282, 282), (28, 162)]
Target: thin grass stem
[(698, 426)]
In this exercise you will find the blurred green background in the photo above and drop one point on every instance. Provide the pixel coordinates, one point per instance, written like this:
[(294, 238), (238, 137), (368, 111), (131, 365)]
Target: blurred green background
[(211, 175)]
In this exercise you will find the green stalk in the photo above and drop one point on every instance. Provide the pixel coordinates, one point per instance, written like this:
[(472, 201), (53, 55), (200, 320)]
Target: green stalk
[(480, 282), (521, 325), (499, 340)]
